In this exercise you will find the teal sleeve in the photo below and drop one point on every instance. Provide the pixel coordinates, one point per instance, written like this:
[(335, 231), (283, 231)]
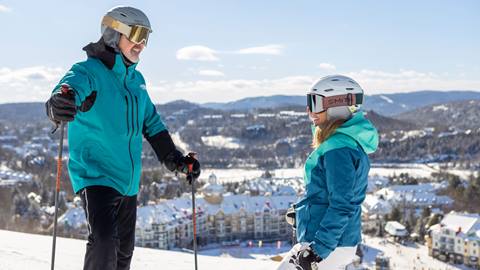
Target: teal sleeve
[(80, 80), (152, 123), (340, 177)]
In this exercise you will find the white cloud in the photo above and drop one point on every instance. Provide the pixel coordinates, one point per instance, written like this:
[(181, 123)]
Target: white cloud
[(203, 53), (28, 84), (4, 8), (198, 53), (272, 49), (327, 67), (376, 81), (373, 81), (36, 83), (211, 72), (228, 90)]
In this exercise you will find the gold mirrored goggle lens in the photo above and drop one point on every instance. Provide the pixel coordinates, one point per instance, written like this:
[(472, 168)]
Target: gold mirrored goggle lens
[(136, 34), (139, 34)]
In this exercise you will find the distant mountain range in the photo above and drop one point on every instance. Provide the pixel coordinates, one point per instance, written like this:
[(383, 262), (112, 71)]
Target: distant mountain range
[(385, 123), (385, 104), (282, 138), (258, 103), (23, 112), (461, 114), (396, 105)]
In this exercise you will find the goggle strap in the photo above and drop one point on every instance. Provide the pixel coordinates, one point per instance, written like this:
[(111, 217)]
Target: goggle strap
[(342, 100), (117, 25), (359, 99)]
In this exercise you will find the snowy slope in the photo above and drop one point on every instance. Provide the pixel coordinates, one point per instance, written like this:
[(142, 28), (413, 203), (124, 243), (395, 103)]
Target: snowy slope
[(20, 251), (459, 114)]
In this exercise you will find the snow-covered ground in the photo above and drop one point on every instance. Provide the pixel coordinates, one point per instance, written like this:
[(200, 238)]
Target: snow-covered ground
[(440, 108), (414, 169), (220, 141), (264, 252), (238, 175), (403, 257), (386, 99), (178, 141), (20, 251), (384, 170)]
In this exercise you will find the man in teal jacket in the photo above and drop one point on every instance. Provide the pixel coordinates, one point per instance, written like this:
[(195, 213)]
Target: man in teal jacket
[(109, 112)]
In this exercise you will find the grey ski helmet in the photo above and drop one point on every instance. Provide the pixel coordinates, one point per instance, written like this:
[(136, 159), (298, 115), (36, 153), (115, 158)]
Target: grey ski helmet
[(131, 22), (339, 95)]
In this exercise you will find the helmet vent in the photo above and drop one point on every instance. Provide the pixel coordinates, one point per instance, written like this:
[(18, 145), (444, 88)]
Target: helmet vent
[(123, 14), (335, 80), (328, 90), (349, 88)]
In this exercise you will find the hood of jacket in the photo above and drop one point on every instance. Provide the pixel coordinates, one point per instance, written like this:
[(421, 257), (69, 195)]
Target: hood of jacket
[(362, 131)]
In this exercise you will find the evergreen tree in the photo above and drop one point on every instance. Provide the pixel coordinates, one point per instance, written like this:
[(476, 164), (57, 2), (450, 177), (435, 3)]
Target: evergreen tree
[(395, 215)]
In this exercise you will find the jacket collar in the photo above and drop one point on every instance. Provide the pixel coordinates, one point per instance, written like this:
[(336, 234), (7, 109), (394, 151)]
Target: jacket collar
[(110, 58)]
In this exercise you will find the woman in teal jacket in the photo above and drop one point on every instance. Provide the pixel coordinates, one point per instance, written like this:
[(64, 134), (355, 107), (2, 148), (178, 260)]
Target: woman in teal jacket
[(329, 214), (109, 113)]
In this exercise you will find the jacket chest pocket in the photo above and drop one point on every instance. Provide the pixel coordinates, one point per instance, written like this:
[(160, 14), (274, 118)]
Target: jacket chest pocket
[(133, 115)]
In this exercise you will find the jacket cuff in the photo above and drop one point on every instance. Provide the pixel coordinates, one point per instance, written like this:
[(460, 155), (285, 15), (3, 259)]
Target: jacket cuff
[(320, 250), (162, 144)]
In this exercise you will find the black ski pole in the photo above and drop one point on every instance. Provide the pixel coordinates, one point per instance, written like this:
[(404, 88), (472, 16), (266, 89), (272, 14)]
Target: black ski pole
[(194, 219), (57, 183)]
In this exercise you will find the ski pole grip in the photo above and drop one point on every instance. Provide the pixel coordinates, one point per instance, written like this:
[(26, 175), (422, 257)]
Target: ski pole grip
[(190, 166), (65, 88)]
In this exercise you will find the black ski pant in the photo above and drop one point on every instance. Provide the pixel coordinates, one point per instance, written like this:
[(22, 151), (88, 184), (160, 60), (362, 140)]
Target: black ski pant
[(111, 221)]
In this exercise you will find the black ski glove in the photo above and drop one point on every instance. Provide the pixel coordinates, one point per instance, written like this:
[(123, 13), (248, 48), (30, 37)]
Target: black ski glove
[(61, 107), (168, 154), (175, 161), (183, 167), (305, 259)]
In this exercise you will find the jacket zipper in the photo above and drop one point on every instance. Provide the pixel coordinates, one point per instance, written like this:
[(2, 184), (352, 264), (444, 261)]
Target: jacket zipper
[(136, 105), (131, 136), (128, 122)]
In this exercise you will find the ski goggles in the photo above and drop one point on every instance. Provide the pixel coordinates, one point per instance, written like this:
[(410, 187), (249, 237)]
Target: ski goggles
[(135, 33), (318, 103)]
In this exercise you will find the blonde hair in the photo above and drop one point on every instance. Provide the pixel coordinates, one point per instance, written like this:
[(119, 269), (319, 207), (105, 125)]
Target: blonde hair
[(322, 134)]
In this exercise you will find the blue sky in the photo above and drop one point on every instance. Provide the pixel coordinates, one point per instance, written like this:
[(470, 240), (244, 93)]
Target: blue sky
[(225, 50)]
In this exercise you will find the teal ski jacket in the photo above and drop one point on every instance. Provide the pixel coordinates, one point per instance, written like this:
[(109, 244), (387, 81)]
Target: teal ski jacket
[(329, 214), (105, 138)]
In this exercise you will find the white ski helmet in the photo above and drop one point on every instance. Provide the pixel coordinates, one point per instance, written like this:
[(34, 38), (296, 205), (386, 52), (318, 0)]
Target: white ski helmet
[(129, 21), (339, 95)]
